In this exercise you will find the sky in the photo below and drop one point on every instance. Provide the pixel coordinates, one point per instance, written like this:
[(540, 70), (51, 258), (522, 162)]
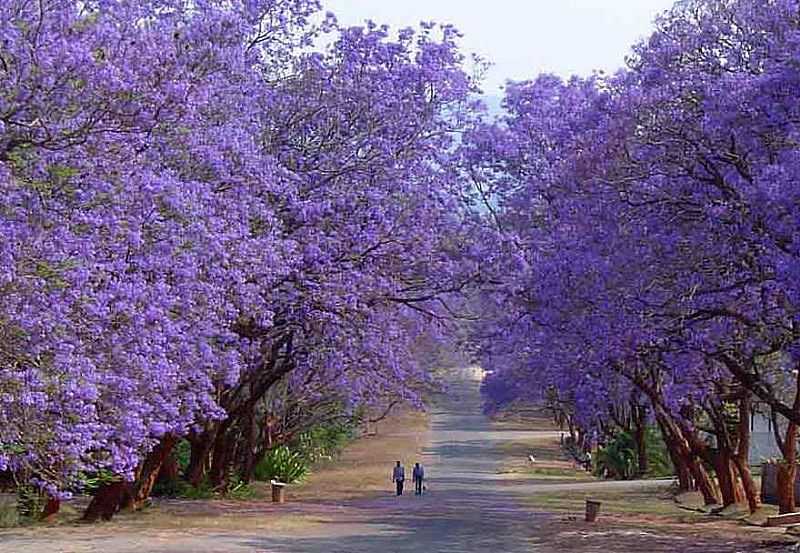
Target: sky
[(524, 37)]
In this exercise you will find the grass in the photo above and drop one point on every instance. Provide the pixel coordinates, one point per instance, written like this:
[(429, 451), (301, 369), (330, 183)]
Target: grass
[(546, 473), (9, 518), (551, 463), (620, 502)]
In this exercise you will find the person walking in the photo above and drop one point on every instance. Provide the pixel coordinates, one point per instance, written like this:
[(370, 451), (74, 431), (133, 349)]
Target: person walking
[(418, 474), (399, 477)]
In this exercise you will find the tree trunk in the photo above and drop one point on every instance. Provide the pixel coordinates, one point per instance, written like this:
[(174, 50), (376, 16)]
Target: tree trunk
[(751, 492), (640, 437), (704, 482), (170, 471), (148, 474), (722, 459), (787, 471), (106, 501), (685, 482), (742, 456), (698, 451), (684, 453), (51, 508), (249, 455), (200, 452), (222, 456), (679, 463), (729, 487)]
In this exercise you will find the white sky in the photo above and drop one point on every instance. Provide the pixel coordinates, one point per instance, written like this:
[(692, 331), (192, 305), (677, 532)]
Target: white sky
[(524, 37)]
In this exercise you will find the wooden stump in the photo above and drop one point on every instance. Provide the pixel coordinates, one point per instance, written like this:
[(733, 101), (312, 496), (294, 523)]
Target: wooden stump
[(278, 492), (592, 510)]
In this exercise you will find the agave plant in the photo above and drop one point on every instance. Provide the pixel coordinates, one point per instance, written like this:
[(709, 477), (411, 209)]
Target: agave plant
[(617, 459), (283, 465)]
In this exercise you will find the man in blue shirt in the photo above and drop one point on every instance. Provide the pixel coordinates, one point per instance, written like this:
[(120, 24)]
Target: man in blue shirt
[(399, 477), (418, 475)]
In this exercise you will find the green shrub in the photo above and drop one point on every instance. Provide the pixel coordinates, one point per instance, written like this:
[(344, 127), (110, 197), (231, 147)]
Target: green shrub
[(241, 491), (179, 488), (182, 454), (323, 442), (283, 465), (187, 491), (30, 502), (619, 459), (658, 460), (92, 481), (182, 489), (173, 487)]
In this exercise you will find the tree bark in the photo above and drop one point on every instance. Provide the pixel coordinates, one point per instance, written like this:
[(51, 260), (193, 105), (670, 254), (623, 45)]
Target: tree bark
[(683, 442), (148, 474), (249, 460), (681, 466), (170, 471), (51, 508), (106, 501), (742, 456), (730, 489), (704, 482), (685, 482), (222, 456), (787, 471), (723, 457), (640, 437), (200, 452)]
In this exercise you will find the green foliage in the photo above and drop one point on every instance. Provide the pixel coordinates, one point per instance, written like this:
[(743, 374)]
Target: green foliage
[(177, 487), (182, 452), (659, 463), (283, 465), (241, 491), (324, 442), (187, 491), (30, 502), (61, 174), (618, 459), (289, 464), (170, 488), (93, 481)]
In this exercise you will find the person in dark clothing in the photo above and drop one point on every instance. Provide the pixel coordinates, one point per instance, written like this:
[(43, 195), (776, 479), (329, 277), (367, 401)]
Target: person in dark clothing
[(419, 476), (399, 477)]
